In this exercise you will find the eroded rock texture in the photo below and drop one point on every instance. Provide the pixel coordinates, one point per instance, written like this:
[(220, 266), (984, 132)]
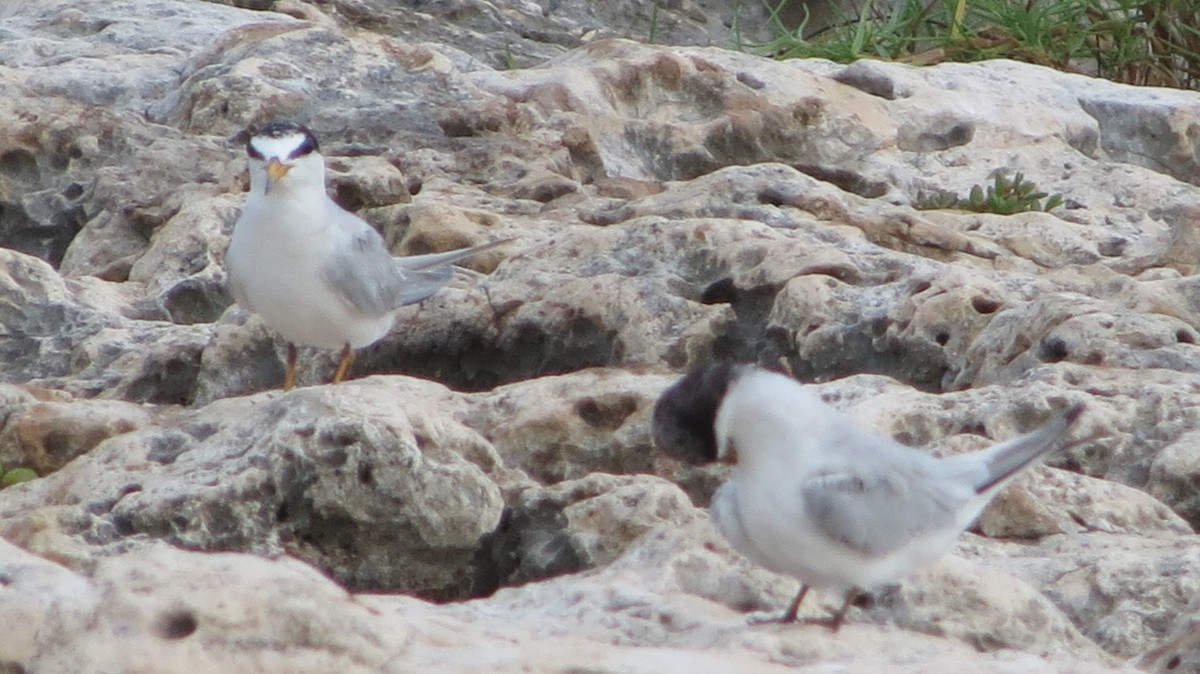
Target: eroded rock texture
[(485, 495)]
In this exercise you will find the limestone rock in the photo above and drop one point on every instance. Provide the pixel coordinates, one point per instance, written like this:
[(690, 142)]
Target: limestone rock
[(46, 434), (351, 483)]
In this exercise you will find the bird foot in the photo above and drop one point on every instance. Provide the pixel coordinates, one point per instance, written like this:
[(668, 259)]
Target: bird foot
[(833, 622)]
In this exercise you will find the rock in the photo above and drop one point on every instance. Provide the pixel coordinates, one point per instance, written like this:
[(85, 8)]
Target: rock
[(210, 613), (350, 483), (1172, 477), (167, 609), (578, 524), (1126, 593), (567, 427), (45, 435)]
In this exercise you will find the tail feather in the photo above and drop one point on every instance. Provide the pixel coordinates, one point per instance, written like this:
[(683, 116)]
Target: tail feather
[(411, 263), (422, 283), (1006, 460)]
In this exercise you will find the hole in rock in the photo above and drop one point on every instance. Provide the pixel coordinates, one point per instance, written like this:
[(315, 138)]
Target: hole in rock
[(607, 414), (984, 305), (177, 624), (1052, 350)]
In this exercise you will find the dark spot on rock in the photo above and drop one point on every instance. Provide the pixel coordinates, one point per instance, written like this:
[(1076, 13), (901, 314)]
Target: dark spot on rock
[(869, 81), (20, 166), (456, 125), (879, 325), (530, 543), (366, 473), (750, 80), (1052, 350), (1184, 336), (747, 337), (937, 136), (1114, 247), (976, 428), (842, 272), (335, 458), (168, 446), (774, 196), (562, 338), (863, 600), (350, 195), (167, 381), (58, 444), (691, 164), (845, 179), (606, 413), (1174, 662), (1094, 358), (123, 524), (941, 338), (984, 305), (200, 430), (546, 190), (177, 624), (341, 436), (719, 292)]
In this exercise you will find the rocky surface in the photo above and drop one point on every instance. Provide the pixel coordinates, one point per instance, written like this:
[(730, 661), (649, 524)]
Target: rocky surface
[(484, 495)]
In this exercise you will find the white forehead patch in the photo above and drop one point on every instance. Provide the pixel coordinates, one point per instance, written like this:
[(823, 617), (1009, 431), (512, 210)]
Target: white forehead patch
[(280, 148)]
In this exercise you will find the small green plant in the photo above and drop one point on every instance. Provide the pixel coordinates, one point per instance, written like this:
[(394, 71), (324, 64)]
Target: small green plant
[(1144, 42), (15, 475), (1005, 196), (652, 37), (510, 62)]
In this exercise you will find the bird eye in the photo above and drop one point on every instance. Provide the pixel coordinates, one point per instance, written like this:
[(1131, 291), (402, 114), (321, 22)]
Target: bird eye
[(308, 145)]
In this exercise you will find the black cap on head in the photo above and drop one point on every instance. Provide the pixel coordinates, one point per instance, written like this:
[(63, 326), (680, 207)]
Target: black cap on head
[(685, 416), (279, 129)]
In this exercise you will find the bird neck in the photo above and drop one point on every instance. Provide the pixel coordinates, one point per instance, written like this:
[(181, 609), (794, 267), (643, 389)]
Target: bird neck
[(304, 181), (771, 421)]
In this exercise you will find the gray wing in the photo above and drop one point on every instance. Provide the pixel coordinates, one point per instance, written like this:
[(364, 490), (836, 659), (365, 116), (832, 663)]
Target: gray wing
[(366, 276), (374, 282), (424, 274), (879, 511)]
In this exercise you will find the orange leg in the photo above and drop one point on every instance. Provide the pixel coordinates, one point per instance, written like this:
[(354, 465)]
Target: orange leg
[(788, 615), (289, 375), (344, 364), (833, 622)]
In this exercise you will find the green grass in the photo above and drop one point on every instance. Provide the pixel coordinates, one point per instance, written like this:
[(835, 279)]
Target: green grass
[(1144, 42)]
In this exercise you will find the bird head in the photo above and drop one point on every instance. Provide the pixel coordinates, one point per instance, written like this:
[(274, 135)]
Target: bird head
[(685, 416), (284, 155)]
